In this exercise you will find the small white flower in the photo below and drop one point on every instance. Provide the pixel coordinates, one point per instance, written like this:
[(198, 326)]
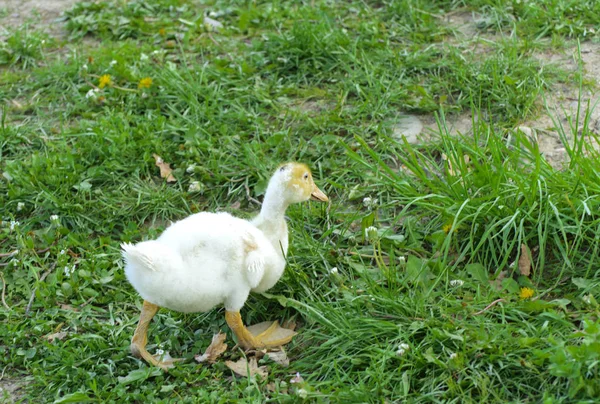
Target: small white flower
[(85, 66), (190, 168), (62, 252), (195, 187), (160, 352), (402, 349), (369, 202), (113, 62), (333, 271), (54, 218), (143, 57), (402, 259), (457, 282), (371, 233), (13, 224), (453, 355), (302, 393), (69, 270), (92, 93), (20, 206)]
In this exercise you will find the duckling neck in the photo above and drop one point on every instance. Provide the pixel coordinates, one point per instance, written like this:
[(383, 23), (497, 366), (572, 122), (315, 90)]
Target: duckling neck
[(271, 219)]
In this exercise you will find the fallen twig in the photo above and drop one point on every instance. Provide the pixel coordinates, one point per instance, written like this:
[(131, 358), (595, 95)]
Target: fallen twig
[(32, 297), (251, 199), (3, 292), (8, 254), (489, 306)]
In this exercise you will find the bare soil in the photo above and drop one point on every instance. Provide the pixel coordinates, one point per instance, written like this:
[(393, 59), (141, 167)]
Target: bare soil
[(38, 14), (559, 104)]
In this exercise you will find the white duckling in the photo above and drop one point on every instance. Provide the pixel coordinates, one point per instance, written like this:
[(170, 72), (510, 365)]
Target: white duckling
[(209, 259)]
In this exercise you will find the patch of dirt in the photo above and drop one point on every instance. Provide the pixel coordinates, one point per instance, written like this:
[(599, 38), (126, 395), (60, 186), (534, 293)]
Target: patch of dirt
[(418, 129), (560, 103), (11, 390), (39, 14)]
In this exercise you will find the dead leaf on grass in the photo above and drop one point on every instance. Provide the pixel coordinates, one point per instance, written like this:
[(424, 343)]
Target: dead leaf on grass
[(215, 349), (275, 386), (279, 357), (289, 324), (497, 283), (165, 168), (247, 369), (55, 335), (525, 261)]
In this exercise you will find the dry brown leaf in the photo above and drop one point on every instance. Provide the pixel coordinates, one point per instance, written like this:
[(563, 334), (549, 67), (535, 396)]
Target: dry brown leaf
[(55, 335), (215, 349), (497, 283), (525, 261), (165, 168), (279, 357), (280, 385), (247, 369), (289, 324)]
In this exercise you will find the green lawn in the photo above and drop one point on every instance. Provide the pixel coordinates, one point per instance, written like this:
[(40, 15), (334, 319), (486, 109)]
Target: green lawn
[(422, 244)]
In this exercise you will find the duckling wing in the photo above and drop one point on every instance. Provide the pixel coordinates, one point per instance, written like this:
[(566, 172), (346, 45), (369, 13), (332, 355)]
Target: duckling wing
[(254, 260)]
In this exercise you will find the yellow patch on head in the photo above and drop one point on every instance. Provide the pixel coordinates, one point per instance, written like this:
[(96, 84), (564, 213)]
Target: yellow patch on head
[(301, 177)]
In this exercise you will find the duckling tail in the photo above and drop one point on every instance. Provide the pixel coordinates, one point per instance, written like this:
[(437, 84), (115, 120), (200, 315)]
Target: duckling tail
[(137, 256)]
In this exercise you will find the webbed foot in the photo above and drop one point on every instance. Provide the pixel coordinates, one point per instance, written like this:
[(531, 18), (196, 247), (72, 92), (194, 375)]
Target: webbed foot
[(259, 336)]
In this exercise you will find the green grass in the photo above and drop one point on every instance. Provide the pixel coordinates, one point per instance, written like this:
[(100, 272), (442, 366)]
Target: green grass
[(323, 83)]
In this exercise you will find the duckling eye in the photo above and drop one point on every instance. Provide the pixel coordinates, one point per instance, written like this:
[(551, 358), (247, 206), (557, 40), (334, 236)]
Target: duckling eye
[(305, 176)]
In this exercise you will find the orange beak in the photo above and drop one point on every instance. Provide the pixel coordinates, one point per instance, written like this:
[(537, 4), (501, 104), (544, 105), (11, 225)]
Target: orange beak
[(318, 195)]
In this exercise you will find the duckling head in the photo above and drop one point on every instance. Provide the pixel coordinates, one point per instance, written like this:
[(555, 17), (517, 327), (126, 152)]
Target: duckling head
[(295, 183)]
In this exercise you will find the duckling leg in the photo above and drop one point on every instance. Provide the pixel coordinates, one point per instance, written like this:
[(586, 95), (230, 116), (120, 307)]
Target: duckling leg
[(140, 339), (263, 335)]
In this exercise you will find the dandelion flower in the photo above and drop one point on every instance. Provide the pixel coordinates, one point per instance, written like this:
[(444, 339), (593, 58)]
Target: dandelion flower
[(162, 32), (104, 81), (146, 82), (447, 227), (526, 293)]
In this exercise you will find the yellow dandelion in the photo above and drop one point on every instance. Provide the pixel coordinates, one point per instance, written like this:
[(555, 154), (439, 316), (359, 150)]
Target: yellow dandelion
[(162, 32), (447, 227), (104, 81), (146, 82), (526, 293)]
